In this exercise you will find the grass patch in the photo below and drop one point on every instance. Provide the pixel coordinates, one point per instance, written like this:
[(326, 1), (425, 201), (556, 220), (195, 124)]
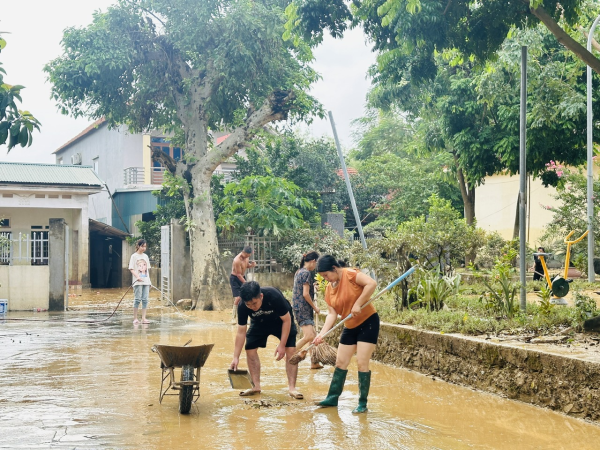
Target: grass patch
[(466, 314)]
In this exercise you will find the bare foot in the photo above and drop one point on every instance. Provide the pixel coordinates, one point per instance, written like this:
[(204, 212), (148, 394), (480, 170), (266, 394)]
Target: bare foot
[(145, 321), (296, 395), (135, 322), (249, 392)]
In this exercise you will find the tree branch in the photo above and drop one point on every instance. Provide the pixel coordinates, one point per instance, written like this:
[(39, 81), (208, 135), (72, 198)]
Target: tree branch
[(275, 107), (169, 163), (566, 40), (594, 41)]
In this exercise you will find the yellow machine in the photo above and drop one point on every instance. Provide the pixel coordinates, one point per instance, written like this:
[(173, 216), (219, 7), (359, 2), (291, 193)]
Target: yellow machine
[(560, 285)]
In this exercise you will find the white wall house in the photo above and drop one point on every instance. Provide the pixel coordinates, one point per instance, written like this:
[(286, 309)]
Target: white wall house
[(31, 196)]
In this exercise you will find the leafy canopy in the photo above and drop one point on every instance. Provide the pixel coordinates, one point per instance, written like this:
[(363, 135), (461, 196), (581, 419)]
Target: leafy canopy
[(16, 126), (263, 205), (145, 63)]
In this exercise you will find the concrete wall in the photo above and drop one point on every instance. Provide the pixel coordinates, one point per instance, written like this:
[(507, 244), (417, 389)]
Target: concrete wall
[(282, 281), (496, 206), (561, 383), (181, 264), (56, 263), (25, 287), (39, 212)]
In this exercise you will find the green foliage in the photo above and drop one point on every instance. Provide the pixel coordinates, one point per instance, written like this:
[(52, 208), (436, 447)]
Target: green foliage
[(502, 291), (544, 294), (142, 62), (263, 205), (16, 126), (570, 214), (441, 239), (468, 315), (585, 307), (490, 251), (171, 205), (295, 242), (433, 289)]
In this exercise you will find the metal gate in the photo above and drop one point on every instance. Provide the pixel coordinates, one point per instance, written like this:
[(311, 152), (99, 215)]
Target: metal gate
[(165, 263)]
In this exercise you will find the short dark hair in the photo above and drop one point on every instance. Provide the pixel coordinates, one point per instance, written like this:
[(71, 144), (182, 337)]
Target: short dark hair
[(247, 249), (249, 291), (139, 243), (326, 263)]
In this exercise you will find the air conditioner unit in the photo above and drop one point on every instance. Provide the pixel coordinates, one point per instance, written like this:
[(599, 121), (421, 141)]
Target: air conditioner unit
[(76, 159)]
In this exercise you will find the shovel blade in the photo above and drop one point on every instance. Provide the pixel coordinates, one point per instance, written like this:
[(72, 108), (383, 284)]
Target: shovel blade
[(240, 379)]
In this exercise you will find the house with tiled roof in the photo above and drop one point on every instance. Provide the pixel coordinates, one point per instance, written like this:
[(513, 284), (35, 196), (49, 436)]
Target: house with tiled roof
[(44, 232)]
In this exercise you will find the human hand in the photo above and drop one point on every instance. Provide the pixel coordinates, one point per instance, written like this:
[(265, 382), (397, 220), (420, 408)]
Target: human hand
[(252, 264), (234, 363), (279, 352), (355, 310), (237, 301), (139, 279), (317, 310), (317, 340)]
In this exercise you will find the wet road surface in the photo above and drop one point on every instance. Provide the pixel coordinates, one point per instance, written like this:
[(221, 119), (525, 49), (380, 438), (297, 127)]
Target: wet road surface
[(77, 385)]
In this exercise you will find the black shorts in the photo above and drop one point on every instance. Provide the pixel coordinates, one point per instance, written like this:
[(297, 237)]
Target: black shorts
[(368, 331), (235, 284), (258, 338)]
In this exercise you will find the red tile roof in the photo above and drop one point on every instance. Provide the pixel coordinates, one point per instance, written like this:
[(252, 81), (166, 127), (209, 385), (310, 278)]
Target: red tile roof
[(351, 171)]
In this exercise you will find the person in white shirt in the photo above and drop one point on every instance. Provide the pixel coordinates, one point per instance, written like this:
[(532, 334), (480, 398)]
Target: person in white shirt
[(139, 266)]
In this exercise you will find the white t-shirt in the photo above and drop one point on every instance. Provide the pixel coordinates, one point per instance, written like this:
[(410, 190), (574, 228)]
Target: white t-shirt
[(141, 264)]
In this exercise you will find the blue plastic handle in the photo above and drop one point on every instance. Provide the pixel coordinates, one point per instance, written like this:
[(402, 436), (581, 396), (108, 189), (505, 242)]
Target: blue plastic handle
[(400, 278)]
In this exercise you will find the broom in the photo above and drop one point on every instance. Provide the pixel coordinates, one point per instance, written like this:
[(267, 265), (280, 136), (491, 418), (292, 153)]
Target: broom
[(300, 356), (323, 354)]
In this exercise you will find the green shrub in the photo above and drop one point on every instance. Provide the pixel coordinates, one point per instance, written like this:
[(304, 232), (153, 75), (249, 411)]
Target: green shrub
[(432, 289)]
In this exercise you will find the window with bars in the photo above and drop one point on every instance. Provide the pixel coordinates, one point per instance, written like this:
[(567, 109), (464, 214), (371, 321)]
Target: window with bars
[(5, 247), (39, 248)]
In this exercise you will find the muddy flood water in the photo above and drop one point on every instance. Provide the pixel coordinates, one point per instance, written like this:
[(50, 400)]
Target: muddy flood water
[(96, 385)]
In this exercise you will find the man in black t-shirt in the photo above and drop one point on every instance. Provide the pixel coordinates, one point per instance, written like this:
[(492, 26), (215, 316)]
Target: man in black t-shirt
[(271, 314)]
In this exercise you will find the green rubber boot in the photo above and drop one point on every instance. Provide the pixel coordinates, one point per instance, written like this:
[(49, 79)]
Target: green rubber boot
[(335, 388), (364, 383)]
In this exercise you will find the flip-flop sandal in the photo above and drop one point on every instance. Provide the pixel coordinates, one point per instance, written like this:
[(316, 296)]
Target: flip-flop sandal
[(296, 395), (249, 393)]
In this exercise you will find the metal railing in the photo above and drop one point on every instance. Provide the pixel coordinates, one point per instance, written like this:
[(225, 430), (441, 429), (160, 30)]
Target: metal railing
[(264, 251), (25, 247), (136, 175), (157, 175), (133, 175)]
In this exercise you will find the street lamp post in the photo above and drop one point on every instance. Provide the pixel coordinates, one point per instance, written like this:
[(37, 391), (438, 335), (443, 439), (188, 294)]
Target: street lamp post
[(590, 162)]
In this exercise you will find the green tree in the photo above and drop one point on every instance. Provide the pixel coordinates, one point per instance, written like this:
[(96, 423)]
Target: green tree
[(188, 67), (16, 126), (420, 28), (263, 205), (309, 163)]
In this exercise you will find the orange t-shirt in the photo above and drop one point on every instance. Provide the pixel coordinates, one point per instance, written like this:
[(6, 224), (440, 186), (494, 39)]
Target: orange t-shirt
[(344, 295)]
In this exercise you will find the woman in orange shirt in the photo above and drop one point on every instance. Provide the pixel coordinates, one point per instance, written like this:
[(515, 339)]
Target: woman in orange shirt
[(346, 292)]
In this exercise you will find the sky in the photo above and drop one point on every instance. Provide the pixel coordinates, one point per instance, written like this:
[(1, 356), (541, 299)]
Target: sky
[(34, 40)]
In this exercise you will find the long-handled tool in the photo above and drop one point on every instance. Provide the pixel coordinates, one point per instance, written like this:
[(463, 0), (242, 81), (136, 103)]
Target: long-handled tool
[(300, 356)]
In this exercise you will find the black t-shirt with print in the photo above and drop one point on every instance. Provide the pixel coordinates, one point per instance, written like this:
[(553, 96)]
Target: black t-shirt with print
[(268, 316)]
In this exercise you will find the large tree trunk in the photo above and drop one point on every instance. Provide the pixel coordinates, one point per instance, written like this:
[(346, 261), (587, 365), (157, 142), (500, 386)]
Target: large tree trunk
[(210, 287)]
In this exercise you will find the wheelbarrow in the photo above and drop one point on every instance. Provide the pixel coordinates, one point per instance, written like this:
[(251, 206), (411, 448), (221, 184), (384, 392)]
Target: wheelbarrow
[(190, 360)]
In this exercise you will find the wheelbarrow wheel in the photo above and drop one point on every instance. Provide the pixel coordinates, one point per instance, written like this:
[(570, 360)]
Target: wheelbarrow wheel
[(186, 393)]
